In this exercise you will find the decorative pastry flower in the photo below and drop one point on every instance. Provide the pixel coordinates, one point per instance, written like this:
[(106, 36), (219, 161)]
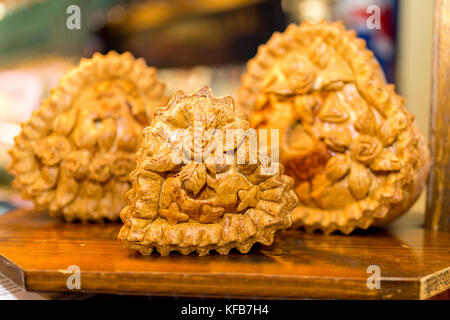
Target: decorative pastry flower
[(300, 73), (365, 149), (73, 156), (123, 164), (99, 169), (297, 76), (76, 163), (345, 136), (52, 149), (202, 204)]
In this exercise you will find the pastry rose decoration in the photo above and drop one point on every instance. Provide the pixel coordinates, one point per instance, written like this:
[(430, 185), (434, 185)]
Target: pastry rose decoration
[(99, 169), (365, 149), (52, 149), (345, 136), (73, 156), (296, 76), (76, 163), (123, 164)]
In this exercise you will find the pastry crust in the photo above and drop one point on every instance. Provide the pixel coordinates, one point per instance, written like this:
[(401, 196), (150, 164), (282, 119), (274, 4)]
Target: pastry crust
[(202, 205), (73, 156), (346, 138)]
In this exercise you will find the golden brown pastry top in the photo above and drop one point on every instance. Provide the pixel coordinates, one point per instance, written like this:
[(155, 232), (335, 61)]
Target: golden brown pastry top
[(193, 202), (345, 135), (74, 155)]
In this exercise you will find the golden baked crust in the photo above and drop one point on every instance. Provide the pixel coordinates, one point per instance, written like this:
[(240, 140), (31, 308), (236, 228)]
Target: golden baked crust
[(345, 136), (202, 204), (74, 155)]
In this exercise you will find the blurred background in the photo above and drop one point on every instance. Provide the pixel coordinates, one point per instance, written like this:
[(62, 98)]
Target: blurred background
[(193, 43)]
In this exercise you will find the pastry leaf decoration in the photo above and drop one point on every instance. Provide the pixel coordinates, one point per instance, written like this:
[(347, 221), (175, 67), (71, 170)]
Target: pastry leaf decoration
[(193, 176), (333, 110), (359, 181), (337, 167)]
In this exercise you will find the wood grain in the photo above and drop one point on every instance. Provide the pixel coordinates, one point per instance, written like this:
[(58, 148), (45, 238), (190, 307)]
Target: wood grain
[(438, 207), (35, 252)]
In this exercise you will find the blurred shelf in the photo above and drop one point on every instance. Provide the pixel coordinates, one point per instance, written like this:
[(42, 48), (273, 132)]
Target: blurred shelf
[(35, 252)]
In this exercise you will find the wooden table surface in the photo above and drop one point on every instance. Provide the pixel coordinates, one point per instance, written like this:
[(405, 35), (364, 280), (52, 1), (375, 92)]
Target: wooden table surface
[(35, 252)]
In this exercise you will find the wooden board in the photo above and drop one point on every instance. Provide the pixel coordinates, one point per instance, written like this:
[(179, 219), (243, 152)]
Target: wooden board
[(438, 206), (35, 252)]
